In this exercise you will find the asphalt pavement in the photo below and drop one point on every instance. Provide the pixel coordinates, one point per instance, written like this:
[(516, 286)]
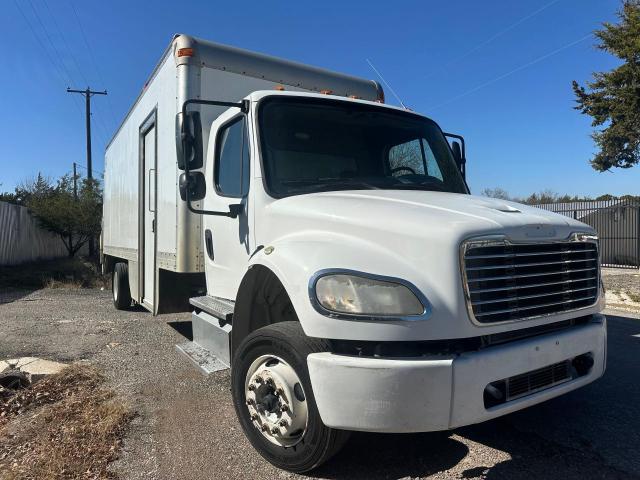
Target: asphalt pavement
[(186, 427)]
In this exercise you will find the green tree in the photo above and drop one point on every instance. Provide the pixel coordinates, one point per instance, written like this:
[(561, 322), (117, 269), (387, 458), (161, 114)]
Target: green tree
[(75, 220), (612, 99)]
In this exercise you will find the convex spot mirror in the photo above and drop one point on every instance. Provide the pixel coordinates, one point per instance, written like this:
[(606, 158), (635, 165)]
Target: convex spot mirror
[(189, 140), (195, 183)]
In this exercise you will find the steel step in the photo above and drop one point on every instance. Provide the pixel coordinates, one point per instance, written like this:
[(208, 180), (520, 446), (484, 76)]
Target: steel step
[(221, 308), (201, 358), (210, 349)]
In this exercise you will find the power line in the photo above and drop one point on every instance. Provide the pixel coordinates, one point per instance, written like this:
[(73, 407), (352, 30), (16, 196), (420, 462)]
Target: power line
[(83, 166), (75, 61), (93, 58), (515, 70), (53, 47), (64, 39), (103, 134), (55, 66), (494, 36)]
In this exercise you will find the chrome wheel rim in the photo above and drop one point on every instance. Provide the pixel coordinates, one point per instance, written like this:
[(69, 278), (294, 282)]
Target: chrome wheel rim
[(276, 401)]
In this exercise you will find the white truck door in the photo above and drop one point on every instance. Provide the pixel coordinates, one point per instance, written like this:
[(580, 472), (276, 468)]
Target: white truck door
[(227, 241), (148, 205)]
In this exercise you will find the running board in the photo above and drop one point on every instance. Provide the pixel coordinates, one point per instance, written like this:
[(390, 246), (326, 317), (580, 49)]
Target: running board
[(210, 349), (221, 308)]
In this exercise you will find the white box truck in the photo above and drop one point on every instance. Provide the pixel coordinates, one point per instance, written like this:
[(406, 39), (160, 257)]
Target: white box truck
[(333, 256)]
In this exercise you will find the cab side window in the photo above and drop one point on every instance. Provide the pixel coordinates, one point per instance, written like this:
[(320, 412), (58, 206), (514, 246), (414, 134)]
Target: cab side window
[(232, 160)]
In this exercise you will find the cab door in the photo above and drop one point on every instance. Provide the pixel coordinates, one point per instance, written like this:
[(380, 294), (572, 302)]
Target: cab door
[(227, 241)]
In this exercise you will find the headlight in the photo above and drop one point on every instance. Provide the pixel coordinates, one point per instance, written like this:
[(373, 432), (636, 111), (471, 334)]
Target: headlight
[(354, 294)]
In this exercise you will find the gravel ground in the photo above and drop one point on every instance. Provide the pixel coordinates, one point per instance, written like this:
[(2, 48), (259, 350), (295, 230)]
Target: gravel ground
[(620, 279), (623, 288), (186, 428)]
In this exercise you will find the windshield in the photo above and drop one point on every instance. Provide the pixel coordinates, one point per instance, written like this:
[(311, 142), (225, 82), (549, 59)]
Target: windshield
[(310, 145)]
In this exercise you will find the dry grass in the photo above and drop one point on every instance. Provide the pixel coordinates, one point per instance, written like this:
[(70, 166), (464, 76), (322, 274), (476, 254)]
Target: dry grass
[(67, 426)]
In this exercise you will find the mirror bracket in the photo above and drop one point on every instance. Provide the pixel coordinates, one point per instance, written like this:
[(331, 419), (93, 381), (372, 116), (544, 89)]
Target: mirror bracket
[(189, 191), (463, 156)]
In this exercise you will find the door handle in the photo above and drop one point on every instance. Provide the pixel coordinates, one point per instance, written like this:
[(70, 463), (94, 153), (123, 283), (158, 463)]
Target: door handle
[(208, 241), (150, 186)]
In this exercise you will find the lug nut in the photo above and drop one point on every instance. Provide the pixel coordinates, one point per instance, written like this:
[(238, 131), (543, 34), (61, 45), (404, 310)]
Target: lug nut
[(254, 416), (280, 391), (283, 423), (264, 428), (258, 380), (270, 381), (284, 407), (275, 430), (251, 401), (252, 387)]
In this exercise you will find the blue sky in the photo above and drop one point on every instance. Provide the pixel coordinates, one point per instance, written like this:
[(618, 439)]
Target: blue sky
[(497, 72)]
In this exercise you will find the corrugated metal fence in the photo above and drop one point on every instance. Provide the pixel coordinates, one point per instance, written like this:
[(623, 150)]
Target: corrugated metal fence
[(617, 223), (22, 240)]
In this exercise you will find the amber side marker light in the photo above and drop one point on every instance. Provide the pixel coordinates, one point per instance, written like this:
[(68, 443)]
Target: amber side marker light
[(280, 88), (185, 52), (326, 92)]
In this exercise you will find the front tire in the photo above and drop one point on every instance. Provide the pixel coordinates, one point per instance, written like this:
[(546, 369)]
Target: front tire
[(120, 286), (274, 401)]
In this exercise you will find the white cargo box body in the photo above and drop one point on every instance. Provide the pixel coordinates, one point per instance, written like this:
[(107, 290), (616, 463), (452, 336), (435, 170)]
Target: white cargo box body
[(146, 224)]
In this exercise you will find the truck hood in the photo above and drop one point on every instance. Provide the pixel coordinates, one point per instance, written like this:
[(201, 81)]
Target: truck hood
[(410, 235), (423, 213)]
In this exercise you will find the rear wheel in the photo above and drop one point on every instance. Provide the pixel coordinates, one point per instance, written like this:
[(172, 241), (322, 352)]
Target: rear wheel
[(120, 286), (274, 401)]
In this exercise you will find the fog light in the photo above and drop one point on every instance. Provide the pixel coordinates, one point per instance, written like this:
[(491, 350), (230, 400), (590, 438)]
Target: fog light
[(583, 363)]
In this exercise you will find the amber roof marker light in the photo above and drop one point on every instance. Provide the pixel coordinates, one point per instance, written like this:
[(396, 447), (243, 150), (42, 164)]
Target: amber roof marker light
[(185, 52)]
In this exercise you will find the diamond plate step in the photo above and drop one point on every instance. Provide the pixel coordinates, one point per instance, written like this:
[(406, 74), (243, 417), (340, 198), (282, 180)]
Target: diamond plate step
[(202, 358), (220, 308)]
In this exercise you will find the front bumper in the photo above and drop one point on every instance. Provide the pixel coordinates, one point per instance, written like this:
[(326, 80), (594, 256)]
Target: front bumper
[(444, 392)]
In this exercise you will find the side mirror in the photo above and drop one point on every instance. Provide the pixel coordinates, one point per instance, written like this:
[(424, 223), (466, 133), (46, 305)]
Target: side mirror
[(457, 153), (189, 140), (195, 183), (458, 156)]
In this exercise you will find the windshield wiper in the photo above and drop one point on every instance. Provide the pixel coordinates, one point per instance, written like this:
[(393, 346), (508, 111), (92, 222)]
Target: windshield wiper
[(330, 182), (428, 186)]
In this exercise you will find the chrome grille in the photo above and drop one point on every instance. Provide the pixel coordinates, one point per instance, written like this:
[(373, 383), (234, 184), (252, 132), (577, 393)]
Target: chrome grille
[(512, 281)]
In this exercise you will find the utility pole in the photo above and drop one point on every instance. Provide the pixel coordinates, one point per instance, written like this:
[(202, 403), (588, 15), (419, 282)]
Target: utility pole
[(75, 182), (88, 93)]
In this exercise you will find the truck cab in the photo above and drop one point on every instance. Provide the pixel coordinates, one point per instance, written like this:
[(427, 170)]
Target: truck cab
[(357, 285), (332, 256)]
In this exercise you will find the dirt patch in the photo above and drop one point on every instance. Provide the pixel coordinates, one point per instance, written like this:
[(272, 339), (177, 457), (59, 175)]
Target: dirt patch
[(59, 273), (67, 426)]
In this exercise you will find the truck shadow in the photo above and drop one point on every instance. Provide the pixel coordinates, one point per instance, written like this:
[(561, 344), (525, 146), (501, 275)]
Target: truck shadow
[(373, 456), (8, 295)]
